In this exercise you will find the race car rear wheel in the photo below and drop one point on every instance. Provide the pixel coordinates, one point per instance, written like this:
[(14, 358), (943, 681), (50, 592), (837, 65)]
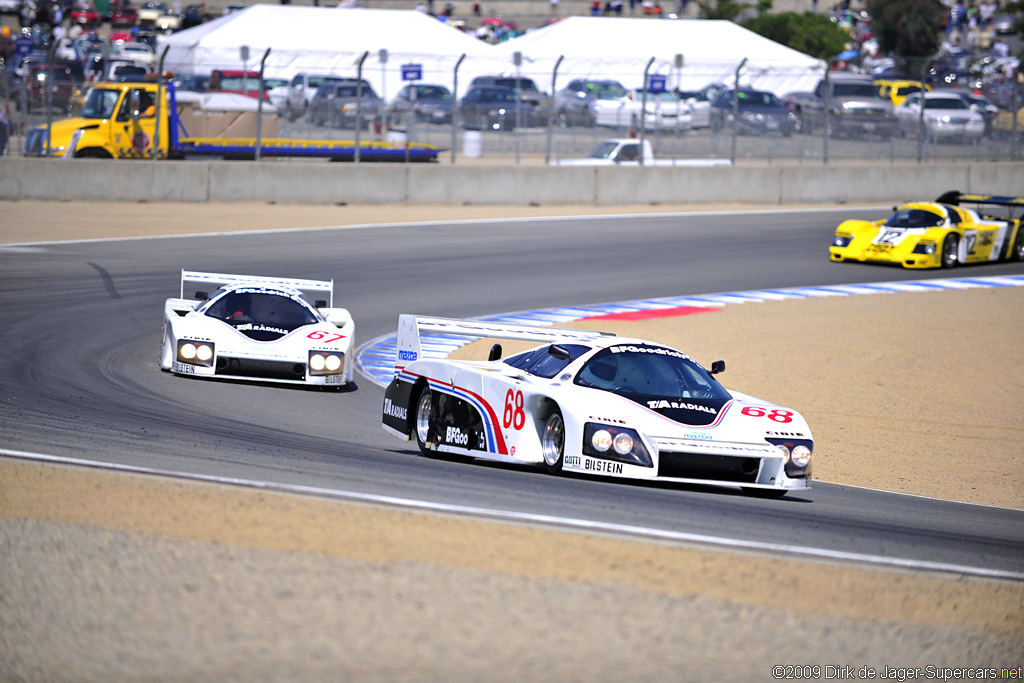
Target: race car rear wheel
[(423, 415), (1018, 246), (949, 251), (552, 442)]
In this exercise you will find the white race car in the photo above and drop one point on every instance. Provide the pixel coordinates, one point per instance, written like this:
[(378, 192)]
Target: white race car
[(593, 403), (262, 329)]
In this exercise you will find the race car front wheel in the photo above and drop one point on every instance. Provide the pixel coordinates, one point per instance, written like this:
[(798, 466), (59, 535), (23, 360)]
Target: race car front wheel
[(949, 251), (423, 413), (552, 442)]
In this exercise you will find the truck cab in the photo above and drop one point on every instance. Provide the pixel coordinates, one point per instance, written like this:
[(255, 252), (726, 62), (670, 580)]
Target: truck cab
[(118, 120)]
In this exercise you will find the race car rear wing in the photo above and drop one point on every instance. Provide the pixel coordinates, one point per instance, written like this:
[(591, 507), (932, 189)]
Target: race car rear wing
[(195, 282), (410, 327), (956, 198)]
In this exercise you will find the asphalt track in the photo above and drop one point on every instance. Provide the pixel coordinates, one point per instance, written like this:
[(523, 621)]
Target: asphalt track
[(79, 369)]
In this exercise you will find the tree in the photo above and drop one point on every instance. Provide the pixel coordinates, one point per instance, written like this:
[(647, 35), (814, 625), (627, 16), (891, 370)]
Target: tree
[(813, 34), (908, 30), (720, 9)]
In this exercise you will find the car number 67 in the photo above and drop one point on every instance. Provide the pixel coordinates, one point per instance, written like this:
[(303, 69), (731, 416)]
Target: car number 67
[(325, 337)]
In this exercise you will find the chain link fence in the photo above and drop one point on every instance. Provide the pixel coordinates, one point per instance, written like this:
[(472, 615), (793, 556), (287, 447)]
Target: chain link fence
[(511, 109)]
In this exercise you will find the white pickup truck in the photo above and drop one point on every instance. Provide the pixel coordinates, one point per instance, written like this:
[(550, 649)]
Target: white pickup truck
[(626, 152)]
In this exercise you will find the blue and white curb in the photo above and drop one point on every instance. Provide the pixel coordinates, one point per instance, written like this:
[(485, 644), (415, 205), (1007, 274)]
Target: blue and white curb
[(376, 358)]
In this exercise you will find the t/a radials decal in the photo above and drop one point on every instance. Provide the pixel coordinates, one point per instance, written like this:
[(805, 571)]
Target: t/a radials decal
[(660, 404), (776, 414), (392, 410)]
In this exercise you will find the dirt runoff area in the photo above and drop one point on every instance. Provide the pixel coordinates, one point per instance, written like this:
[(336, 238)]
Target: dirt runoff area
[(116, 577)]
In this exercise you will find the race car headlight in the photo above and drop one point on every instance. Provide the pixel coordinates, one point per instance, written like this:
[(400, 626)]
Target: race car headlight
[(796, 455), (325, 362), (615, 443), (925, 248), (800, 455), (842, 240), (195, 352)]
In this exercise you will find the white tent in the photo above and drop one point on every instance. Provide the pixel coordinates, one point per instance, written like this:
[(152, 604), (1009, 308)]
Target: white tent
[(620, 49), (324, 40)]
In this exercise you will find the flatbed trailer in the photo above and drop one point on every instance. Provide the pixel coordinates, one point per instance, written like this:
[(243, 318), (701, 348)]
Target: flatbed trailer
[(125, 121)]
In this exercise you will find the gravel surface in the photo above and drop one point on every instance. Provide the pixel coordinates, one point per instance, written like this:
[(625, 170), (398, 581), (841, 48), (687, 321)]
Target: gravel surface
[(115, 577)]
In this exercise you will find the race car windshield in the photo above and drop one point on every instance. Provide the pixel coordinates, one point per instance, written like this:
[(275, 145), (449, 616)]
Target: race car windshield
[(914, 218), (261, 314), (645, 372), (543, 363)]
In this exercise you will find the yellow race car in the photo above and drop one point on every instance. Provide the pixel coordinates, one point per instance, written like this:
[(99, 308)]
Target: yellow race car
[(939, 234)]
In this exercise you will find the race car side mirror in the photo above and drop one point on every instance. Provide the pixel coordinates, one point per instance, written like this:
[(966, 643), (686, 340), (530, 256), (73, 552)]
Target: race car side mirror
[(321, 303), (718, 367), (559, 352), (201, 295), (495, 353)]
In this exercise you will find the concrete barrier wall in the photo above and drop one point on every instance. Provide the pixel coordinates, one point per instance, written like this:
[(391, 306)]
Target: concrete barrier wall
[(336, 183)]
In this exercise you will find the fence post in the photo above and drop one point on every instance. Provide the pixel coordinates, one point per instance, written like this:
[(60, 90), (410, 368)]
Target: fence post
[(551, 109), (259, 107), (455, 103)]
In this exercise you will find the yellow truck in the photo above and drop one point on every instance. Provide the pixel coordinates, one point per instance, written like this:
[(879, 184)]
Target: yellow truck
[(131, 120)]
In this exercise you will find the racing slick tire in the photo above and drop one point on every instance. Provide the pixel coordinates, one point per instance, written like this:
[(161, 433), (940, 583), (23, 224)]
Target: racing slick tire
[(552, 442), (1017, 254), (422, 417), (950, 246)]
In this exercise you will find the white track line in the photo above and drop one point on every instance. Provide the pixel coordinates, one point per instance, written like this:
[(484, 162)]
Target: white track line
[(546, 520)]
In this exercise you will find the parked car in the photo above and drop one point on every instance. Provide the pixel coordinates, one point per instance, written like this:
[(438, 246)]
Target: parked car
[(575, 104), (157, 16), (85, 15), (896, 90), (752, 111), (848, 104), (422, 103), (48, 85), (525, 87), (138, 52), (192, 82), (237, 81), (301, 89), (277, 91), (123, 15), (700, 103), (194, 15), (345, 104), (946, 115), (491, 107), (662, 111), (125, 72)]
